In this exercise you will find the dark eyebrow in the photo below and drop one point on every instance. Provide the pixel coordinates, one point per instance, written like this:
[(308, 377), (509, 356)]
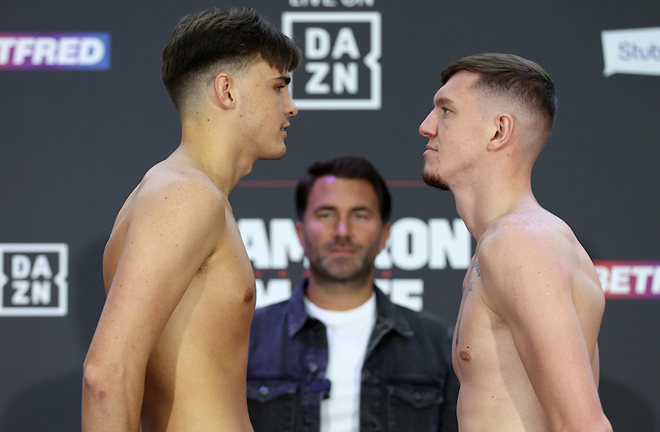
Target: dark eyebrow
[(362, 208), (441, 101), (328, 207), (284, 78), (324, 207)]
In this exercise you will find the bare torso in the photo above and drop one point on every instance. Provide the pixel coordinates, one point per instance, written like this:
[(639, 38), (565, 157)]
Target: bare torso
[(195, 376), (496, 392)]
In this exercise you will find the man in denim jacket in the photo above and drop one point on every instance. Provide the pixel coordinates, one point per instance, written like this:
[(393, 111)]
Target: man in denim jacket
[(339, 356)]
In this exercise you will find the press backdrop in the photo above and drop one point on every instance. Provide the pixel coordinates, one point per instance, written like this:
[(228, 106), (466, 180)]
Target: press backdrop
[(83, 115)]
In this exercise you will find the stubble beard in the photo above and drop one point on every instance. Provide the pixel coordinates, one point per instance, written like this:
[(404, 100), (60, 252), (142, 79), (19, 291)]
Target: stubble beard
[(434, 180), (343, 270)]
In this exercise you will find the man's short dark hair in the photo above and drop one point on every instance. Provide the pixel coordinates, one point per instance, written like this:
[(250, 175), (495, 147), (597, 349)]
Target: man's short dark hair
[(511, 76), (347, 167), (234, 39)]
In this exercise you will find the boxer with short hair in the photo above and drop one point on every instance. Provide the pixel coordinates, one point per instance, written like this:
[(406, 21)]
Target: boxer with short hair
[(525, 345), (170, 350)]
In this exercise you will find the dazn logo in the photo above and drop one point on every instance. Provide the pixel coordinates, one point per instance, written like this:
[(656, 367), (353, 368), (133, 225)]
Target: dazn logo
[(33, 279)]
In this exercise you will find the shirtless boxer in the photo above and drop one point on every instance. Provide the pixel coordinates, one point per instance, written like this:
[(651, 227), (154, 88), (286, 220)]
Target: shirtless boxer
[(170, 350), (525, 344)]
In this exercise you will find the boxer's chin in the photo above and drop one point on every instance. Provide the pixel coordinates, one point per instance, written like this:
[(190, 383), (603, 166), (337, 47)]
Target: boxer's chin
[(434, 180)]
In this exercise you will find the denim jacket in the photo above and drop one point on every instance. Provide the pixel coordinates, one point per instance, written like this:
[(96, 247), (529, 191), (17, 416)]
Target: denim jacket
[(408, 383)]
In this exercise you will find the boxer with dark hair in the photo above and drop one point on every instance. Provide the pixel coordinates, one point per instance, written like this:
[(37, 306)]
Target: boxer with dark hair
[(170, 350)]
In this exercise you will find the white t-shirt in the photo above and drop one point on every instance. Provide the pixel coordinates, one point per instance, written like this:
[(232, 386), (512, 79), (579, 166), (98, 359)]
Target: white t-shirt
[(348, 335)]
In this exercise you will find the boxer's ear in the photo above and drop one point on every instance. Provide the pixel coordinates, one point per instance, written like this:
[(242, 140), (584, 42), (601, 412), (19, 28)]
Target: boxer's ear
[(502, 131), (223, 90)]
